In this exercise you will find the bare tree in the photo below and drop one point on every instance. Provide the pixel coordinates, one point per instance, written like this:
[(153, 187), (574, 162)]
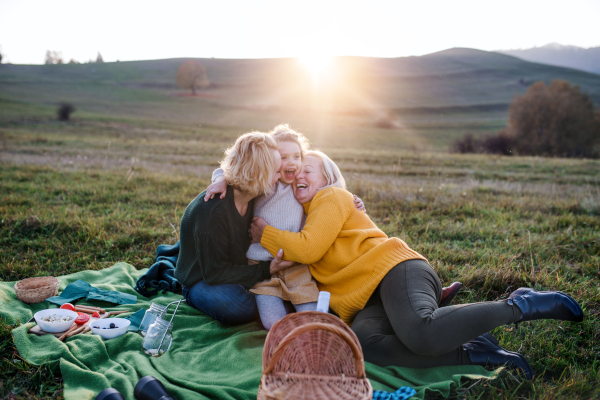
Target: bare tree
[(53, 57), (192, 75), (99, 58)]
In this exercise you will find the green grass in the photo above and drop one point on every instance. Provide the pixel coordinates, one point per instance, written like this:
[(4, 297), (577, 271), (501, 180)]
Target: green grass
[(494, 223), (113, 183)]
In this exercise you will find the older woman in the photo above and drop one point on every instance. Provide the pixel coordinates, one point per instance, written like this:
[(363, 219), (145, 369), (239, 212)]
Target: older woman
[(388, 292), (212, 264)]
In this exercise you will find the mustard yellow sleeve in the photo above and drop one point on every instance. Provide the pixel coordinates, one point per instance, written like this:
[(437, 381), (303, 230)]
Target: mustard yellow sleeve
[(326, 217)]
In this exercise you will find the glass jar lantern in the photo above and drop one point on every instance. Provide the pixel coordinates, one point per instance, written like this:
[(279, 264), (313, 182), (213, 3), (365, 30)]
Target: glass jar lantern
[(158, 338), (155, 311)]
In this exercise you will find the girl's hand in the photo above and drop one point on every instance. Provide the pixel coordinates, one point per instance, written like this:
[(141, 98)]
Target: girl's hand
[(257, 228), (358, 203), (277, 264), (218, 186)]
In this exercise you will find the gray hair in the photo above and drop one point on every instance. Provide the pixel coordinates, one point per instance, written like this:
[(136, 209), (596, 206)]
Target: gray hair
[(330, 170)]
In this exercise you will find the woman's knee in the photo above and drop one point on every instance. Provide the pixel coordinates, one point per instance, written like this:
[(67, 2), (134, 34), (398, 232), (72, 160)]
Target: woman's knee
[(229, 303), (415, 279)]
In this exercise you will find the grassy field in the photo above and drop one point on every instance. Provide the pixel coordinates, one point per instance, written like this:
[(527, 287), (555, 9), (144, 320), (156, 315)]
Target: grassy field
[(436, 98), (113, 183)]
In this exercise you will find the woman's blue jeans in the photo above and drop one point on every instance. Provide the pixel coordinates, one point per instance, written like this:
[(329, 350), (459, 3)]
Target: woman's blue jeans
[(229, 303)]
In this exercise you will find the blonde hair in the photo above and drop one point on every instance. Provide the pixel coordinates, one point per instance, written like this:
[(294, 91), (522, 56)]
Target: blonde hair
[(330, 170), (283, 133), (248, 165)]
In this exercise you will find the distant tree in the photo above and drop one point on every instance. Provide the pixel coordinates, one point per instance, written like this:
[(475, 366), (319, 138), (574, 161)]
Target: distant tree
[(554, 120), (0, 58), (466, 144), (192, 75), (498, 144), (73, 61), (491, 144), (64, 111), (53, 57), (99, 58)]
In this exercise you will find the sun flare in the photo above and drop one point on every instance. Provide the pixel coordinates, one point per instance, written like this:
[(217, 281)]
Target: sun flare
[(316, 63)]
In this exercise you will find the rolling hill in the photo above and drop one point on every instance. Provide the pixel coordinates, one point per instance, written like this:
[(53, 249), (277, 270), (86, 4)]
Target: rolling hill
[(562, 56), (436, 97)]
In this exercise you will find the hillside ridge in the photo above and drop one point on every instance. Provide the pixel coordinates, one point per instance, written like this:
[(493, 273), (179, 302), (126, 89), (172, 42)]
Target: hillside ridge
[(561, 55), (456, 78)]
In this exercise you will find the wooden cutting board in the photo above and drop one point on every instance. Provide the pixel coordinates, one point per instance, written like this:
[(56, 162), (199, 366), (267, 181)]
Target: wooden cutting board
[(38, 331)]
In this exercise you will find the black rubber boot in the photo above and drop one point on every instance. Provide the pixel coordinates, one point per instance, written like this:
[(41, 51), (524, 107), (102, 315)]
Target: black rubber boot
[(484, 351), (545, 305), (490, 338)]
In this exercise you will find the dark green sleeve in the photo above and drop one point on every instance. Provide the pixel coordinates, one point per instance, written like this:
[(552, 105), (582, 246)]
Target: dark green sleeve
[(214, 259)]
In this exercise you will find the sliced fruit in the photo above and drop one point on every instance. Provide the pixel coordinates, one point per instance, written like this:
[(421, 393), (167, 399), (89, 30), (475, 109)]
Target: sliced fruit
[(68, 306), (96, 314), (82, 318)]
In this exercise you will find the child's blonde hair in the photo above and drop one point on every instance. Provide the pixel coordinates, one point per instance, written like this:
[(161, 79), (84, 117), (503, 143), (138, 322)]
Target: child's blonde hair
[(248, 165), (283, 133)]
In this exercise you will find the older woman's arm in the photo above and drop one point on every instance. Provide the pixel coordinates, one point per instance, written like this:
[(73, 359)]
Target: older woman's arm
[(326, 217)]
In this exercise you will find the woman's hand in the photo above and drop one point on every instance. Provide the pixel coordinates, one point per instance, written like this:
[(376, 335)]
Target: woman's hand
[(358, 203), (277, 264), (257, 228), (218, 186)]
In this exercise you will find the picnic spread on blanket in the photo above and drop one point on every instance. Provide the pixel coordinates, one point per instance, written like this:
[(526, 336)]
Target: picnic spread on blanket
[(188, 353)]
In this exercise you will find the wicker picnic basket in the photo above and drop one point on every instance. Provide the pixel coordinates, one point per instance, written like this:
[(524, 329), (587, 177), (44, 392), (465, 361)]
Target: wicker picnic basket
[(313, 355), (36, 290)]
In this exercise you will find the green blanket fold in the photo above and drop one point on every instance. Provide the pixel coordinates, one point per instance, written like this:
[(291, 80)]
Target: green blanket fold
[(207, 359)]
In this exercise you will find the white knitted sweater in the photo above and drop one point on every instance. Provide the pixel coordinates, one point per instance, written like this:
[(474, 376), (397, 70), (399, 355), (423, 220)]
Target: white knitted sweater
[(280, 209)]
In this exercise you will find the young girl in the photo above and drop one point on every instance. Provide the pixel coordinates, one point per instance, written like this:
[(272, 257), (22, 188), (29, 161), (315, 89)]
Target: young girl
[(281, 210)]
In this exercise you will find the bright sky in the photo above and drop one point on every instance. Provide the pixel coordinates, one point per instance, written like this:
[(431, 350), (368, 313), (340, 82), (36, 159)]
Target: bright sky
[(149, 29)]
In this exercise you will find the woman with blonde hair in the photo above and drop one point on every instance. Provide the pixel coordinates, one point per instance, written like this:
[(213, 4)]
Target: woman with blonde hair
[(212, 264), (282, 210), (389, 293)]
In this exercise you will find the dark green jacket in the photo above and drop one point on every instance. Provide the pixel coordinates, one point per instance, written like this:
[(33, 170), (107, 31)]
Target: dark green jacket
[(214, 240)]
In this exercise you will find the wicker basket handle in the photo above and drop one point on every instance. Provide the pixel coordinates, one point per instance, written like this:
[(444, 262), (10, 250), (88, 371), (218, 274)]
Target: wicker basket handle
[(358, 360)]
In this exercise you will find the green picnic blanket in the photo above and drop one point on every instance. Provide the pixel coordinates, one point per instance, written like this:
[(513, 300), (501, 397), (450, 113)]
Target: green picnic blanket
[(207, 359)]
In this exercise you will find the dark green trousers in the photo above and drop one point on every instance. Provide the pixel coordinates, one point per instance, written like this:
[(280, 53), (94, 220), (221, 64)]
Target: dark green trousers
[(402, 324)]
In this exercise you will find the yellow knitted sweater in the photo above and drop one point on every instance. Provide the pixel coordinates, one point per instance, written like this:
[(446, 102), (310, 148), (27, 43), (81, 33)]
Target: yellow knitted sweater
[(347, 254)]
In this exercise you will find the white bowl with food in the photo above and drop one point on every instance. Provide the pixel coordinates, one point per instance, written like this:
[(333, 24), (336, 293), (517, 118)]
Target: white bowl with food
[(109, 328), (55, 320)]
